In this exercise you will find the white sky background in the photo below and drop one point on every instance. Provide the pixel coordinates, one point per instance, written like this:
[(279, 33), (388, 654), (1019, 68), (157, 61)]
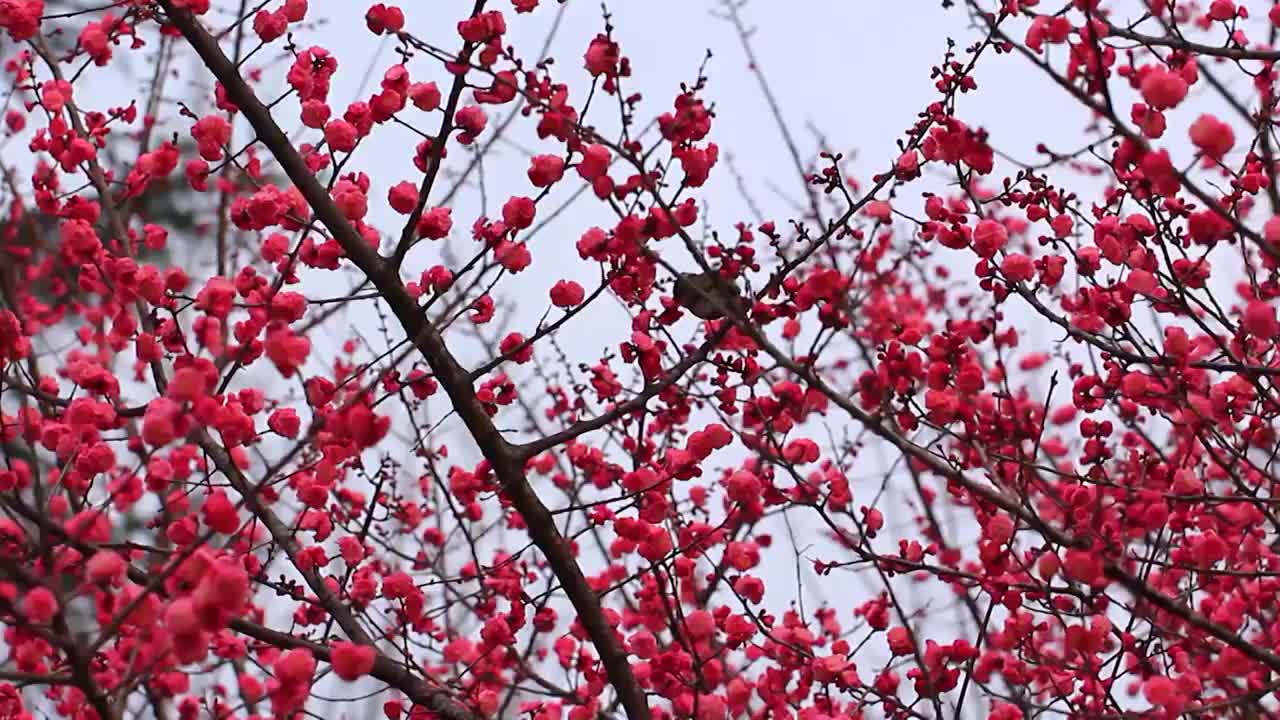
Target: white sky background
[(857, 70)]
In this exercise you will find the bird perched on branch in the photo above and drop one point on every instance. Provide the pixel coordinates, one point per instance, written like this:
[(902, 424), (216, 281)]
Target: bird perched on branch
[(707, 295)]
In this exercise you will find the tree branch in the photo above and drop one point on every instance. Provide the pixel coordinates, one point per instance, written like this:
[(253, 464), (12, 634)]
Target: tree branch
[(506, 461)]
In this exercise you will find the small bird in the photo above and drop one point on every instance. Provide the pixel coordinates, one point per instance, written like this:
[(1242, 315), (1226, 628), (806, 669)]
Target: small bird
[(699, 293)]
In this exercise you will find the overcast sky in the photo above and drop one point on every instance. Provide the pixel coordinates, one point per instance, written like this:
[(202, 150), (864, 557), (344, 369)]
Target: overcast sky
[(857, 71)]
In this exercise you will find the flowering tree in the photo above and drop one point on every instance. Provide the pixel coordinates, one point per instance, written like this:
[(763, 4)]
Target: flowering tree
[(652, 500)]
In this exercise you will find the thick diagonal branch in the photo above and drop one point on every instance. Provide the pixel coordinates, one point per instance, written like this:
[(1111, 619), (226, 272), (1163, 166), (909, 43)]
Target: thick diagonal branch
[(506, 461)]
